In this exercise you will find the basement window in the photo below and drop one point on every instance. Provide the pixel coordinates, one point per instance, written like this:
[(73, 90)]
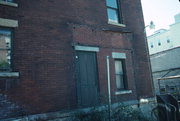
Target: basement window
[(5, 49)]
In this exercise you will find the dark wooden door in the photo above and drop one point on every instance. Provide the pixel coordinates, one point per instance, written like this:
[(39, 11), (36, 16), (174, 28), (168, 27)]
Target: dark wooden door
[(87, 81)]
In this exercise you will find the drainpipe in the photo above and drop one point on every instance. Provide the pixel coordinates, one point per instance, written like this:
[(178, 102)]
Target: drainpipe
[(109, 87)]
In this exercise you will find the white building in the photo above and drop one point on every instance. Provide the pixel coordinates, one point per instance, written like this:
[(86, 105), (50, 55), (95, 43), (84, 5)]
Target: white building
[(164, 39)]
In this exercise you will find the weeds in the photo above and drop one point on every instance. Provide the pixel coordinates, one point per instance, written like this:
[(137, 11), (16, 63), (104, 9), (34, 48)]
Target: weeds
[(121, 113)]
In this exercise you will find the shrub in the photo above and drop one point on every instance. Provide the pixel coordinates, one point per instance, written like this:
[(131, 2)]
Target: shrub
[(92, 115), (127, 113), (121, 113)]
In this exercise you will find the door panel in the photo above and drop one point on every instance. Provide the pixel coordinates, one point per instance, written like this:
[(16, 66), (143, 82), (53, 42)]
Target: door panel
[(87, 88)]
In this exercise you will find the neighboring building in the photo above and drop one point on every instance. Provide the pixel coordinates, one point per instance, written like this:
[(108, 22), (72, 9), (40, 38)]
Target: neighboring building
[(164, 39), (164, 50), (166, 71), (59, 50)]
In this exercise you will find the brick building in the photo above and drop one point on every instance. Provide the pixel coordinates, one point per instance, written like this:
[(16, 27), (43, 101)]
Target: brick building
[(59, 53)]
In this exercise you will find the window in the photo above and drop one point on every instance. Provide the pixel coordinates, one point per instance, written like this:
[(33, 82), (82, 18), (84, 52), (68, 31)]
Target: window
[(159, 43), (113, 11), (168, 41), (5, 49), (151, 45), (120, 74), (7, 0), (9, 3)]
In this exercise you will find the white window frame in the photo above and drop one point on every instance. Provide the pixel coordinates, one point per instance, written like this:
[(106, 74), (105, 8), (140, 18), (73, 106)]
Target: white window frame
[(121, 56)]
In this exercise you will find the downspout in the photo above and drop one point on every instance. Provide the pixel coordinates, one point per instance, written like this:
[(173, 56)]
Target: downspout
[(109, 88)]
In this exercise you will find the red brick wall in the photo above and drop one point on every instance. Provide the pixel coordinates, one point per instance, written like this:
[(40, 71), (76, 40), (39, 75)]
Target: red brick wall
[(135, 21), (44, 56), (108, 42)]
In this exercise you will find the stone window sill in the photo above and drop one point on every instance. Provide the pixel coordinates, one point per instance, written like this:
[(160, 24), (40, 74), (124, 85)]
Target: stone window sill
[(117, 24), (8, 3), (8, 22), (123, 92), (9, 74)]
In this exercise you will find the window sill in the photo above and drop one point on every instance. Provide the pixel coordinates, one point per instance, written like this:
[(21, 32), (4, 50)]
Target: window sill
[(8, 22), (117, 24), (9, 74), (9, 3), (123, 92)]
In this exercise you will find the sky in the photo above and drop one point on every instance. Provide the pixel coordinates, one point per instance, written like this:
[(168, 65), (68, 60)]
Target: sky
[(161, 12)]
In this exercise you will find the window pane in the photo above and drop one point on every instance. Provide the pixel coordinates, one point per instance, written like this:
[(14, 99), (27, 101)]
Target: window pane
[(168, 40), (112, 15), (152, 45), (5, 32), (119, 82), (112, 3), (5, 49), (118, 67), (119, 74), (159, 42), (7, 0)]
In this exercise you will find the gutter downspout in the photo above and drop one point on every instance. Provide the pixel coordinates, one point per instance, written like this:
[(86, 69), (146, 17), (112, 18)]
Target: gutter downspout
[(109, 87)]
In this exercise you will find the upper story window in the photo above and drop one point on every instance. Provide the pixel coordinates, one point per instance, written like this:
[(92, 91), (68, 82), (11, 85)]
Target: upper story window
[(7, 0), (113, 11), (159, 43), (9, 3), (168, 41), (151, 44), (5, 49)]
